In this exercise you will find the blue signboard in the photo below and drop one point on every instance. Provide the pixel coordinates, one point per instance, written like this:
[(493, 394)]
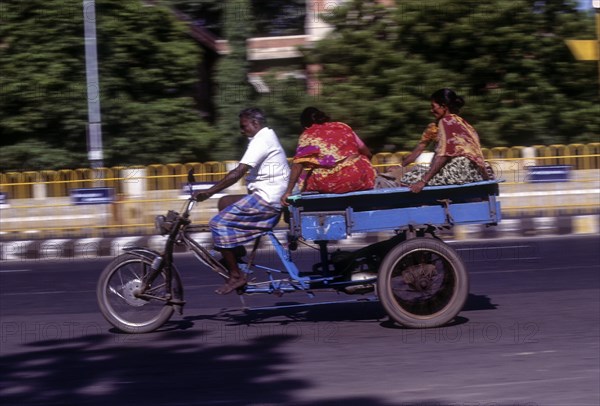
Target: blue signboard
[(548, 173), (93, 195), (3, 200)]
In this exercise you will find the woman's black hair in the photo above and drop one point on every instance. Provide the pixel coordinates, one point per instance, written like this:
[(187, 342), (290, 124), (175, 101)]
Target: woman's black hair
[(312, 115), (448, 98)]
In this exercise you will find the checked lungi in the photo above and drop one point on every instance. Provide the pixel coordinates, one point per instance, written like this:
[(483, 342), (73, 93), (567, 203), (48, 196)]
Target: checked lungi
[(243, 221)]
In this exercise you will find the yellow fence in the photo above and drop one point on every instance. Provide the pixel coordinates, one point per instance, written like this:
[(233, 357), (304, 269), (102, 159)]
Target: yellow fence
[(40, 199), (580, 156), (22, 185)]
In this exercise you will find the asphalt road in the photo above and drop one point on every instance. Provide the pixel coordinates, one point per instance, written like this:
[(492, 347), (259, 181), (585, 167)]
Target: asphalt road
[(529, 335)]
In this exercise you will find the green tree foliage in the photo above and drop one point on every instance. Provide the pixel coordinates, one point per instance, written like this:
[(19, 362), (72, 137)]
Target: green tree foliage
[(233, 92), (276, 17), (269, 17), (147, 66), (42, 75), (283, 104), (237, 20), (379, 65), (506, 57)]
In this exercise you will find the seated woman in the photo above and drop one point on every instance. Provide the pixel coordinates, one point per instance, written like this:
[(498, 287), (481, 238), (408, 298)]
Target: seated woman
[(458, 157), (330, 156)]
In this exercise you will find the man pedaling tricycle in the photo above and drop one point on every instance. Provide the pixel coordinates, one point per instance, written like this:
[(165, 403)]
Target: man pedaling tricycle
[(420, 281)]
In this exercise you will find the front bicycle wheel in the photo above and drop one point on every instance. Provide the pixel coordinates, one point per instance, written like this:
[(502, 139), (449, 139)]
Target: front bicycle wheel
[(422, 283), (116, 294)]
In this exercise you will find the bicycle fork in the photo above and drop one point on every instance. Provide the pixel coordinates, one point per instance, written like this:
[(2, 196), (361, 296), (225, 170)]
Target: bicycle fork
[(173, 287)]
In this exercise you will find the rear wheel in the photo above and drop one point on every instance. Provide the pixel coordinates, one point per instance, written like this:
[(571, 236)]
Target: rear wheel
[(422, 283), (116, 293)]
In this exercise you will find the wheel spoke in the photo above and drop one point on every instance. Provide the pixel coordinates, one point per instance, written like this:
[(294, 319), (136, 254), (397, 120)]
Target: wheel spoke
[(119, 299), (157, 289), (114, 291)]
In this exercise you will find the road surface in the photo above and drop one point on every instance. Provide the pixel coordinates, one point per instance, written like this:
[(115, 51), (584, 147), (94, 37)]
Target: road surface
[(529, 335)]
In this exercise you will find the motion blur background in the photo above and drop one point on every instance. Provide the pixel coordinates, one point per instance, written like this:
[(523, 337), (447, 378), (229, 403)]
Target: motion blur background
[(173, 75)]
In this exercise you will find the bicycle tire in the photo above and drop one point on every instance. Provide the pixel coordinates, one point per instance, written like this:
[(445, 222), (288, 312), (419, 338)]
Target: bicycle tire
[(119, 306), (422, 283)]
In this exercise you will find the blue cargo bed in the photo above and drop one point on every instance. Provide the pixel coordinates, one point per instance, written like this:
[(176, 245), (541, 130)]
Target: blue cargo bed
[(338, 216)]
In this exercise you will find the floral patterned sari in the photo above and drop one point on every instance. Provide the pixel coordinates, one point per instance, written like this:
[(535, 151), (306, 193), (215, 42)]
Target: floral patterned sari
[(330, 153), (456, 139)]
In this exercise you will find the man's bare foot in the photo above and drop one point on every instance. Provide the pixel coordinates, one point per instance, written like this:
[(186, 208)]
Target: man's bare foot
[(231, 285)]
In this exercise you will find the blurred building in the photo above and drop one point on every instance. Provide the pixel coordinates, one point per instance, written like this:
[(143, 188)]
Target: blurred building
[(296, 24)]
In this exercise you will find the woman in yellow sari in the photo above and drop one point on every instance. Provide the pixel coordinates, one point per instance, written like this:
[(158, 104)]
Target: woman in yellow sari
[(458, 157)]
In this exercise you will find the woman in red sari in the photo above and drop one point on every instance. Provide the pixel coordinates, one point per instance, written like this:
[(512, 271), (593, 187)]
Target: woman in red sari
[(334, 159)]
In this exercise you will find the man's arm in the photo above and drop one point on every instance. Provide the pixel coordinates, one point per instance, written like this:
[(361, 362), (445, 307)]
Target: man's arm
[(410, 158), (429, 135), (231, 178), (294, 175)]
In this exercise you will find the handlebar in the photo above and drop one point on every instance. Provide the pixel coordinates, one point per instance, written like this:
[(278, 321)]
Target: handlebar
[(197, 196), (188, 207)]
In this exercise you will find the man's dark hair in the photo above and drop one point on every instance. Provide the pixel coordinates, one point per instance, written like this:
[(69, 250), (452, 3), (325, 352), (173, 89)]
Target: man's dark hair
[(254, 113)]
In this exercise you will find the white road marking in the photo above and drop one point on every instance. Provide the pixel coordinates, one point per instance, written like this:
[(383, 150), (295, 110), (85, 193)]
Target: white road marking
[(49, 218), (551, 193), (566, 268)]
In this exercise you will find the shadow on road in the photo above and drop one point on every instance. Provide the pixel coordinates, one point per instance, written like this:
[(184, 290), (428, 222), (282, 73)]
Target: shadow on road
[(229, 358), (479, 302), (290, 312), (143, 370)]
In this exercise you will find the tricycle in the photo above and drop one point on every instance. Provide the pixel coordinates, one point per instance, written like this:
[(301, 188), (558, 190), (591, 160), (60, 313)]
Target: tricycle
[(420, 281)]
